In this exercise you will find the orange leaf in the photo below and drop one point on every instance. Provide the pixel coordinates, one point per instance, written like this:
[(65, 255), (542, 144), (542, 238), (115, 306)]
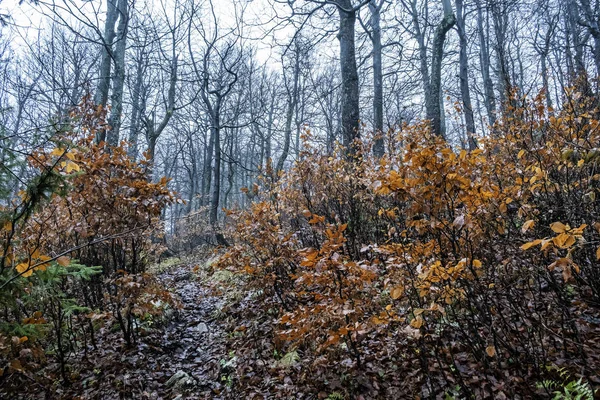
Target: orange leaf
[(417, 322), (24, 270), (531, 244), (491, 351), (558, 227), (527, 225), (57, 152), (397, 292), (63, 261)]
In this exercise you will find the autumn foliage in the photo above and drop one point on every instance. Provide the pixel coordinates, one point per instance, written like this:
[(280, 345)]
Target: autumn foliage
[(76, 241), (435, 270)]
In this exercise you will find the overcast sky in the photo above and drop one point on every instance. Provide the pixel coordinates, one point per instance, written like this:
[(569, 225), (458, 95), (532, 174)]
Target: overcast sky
[(28, 20)]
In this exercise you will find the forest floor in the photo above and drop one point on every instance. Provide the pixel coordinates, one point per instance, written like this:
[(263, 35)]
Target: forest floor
[(217, 344), (182, 357)]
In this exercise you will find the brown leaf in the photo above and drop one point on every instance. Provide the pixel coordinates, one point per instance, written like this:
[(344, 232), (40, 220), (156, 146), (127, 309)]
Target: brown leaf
[(558, 227), (397, 292), (15, 365), (63, 261), (527, 225)]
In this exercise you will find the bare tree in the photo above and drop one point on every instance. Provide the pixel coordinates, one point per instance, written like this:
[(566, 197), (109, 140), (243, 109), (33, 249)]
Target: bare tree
[(464, 75), (434, 112), (590, 18), (292, 98), (218, 76), (375, 21), (118, 83)]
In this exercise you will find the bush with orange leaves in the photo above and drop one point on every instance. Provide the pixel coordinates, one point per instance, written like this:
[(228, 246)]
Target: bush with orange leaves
[(467, 271), (109, 209), (75, 242)]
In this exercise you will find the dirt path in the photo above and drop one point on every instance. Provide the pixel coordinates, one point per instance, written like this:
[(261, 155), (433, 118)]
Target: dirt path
[(183, 358), (187, 359)]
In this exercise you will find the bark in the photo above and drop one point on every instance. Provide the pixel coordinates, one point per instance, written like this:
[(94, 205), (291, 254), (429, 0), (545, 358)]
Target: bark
[(230, 169), (102, 91), (578, 76), (543, 52), (500, 24), (488, 85), (216, 190), (378, 146), (291, 106), (208, 159), (434, 110), (577, 41), (420, 37), (464, 76), (545, 84), (299, 118), (591, 21), (349, 74), (154, 131), (136, 109), (193, 178), (116, 99), (568, 52), (270, 128)]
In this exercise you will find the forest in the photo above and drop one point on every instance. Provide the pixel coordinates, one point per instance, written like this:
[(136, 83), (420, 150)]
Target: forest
[(300, 199)]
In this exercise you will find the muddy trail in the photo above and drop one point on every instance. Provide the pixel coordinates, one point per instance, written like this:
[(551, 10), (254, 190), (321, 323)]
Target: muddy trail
[(216, 343), (184, 357), (186, 361)]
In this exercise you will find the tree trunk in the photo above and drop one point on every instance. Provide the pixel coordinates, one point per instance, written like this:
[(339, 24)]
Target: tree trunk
[(434, 109), (349, 75), (291, 106), (420, 37), (216, 191), (151, 145), (378, 146), (500, 23), (591, 21), (153, 131), (193, 178), (543, 52), (270, 130), (136, 109), (102, 91), (116, 99), (488, 85), (207, 181), (464, 76)]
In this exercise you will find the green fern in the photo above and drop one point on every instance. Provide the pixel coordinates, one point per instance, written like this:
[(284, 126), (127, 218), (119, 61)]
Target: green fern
[(576, 390), (289, 359), (568, 388), (335, 396)]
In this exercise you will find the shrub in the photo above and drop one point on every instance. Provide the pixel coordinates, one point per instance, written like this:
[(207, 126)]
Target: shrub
[(74, 244), (482, 264)]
